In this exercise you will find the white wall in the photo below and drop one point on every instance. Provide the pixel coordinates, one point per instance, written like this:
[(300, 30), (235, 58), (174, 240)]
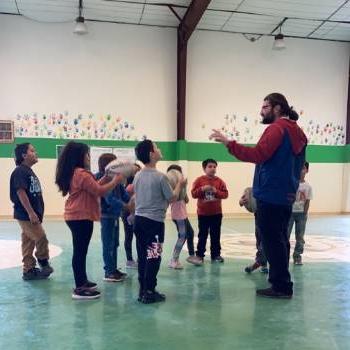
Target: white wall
[(130, 73), (127, 71), (228, 75)]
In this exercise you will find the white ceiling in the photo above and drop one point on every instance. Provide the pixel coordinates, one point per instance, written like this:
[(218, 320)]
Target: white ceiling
[(305, 18)]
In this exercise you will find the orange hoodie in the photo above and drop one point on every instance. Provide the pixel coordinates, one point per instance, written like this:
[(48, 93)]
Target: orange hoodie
[(83, 202)]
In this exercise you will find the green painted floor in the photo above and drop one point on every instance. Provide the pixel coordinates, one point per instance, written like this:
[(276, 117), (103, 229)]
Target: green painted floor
[(212, 307)]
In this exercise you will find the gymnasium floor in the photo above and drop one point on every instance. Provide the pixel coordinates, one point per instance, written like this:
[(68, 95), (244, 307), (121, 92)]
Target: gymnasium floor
[(210, 307)]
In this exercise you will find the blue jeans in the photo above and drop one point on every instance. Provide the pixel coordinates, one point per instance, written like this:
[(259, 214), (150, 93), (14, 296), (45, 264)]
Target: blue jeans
[(110, 243), (300, 222), (185, 233), (260, 256)]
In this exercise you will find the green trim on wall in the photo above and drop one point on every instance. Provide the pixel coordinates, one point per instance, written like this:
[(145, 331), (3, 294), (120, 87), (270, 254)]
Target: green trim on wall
[(178, 150), (314, 153), (347, 154)]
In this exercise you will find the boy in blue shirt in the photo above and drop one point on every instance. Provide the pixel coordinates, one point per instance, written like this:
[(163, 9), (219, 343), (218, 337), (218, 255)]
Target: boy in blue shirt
[(111, 208)]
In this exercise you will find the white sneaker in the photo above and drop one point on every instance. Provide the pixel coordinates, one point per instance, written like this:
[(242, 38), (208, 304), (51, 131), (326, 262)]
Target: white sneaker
[(175, 264)]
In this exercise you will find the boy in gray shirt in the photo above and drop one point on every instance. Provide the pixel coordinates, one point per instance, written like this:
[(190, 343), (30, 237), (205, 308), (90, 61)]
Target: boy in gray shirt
[(153, 193)]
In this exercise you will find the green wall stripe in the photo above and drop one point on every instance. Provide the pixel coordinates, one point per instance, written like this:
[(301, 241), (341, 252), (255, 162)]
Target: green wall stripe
[(179, 150)]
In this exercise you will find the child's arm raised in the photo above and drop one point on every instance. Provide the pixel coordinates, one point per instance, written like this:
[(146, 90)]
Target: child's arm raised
[(89, 184), (179, 186)]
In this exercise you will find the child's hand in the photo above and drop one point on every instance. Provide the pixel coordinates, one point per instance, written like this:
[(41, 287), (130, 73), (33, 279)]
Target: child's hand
[(33, 218), (117, 179), (130, 189), (243, 200), (183, 182), (206, 188), (104, 179)]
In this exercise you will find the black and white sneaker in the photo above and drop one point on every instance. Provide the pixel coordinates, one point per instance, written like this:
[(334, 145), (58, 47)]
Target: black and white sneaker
[(252, 267), (218, 259), (34, 274), (271, 293), (47, 270), (90, 285), (83, 293), (113, 277), (121, 274), (150, 297)]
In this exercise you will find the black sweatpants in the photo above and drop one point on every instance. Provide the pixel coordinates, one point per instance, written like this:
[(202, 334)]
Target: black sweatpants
[(209, 224), (149, 240)]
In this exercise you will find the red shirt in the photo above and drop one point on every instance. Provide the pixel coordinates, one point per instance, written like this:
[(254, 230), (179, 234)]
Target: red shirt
[(209, 203)]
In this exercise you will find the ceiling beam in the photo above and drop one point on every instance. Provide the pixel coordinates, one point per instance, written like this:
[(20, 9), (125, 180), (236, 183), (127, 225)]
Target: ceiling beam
[(187, 26), (192, 16)]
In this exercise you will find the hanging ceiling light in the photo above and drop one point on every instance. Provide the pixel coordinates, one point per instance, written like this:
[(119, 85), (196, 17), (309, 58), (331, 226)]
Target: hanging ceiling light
[(279, 43), (80, 26)]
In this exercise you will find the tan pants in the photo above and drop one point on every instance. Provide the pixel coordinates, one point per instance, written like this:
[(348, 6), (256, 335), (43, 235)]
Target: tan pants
[(33, 236)]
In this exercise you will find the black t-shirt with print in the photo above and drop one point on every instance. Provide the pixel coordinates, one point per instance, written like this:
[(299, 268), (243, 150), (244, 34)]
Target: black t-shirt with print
[(25, 178)]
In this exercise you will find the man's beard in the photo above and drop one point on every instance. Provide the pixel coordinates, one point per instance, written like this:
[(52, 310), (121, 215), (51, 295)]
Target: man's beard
[(268, 119)]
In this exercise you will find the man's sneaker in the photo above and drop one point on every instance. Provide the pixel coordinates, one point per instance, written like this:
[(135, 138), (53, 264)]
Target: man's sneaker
[(34, 274), (264, 269), (131, 264), (83, 293), (122, 274), (150, 297), (252, 267), (271, 293), (298, 260), (218, 259), (90, 285), (195, 260), (113, 277), (175, 264)]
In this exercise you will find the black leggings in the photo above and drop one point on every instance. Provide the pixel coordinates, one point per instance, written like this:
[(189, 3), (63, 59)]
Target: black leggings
[(129, 234), (81, 235)]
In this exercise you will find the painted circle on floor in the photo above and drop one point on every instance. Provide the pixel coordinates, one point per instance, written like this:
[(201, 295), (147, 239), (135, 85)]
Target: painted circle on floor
[(10, 253), (317, 248)]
